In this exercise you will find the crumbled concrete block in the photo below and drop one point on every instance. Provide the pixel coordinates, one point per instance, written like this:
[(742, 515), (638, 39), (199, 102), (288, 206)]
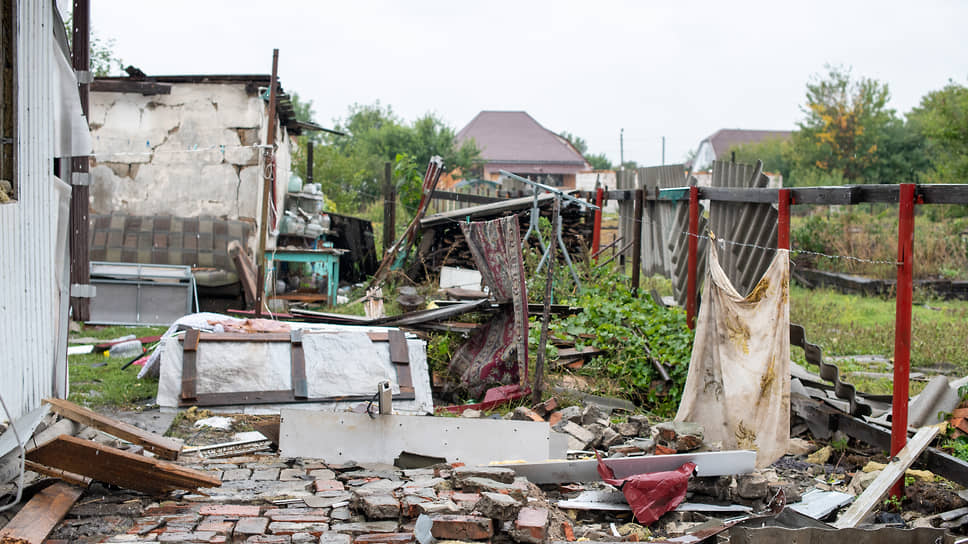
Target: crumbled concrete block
[(298, 515), (229, 510), (335, 538), (328, 485), (409, 505), (598, 431), (610, 438), (546, 407), (322, 474), (592, 414), (580, 434), (626, 429), (498, 506), (523, 413), (216, 525), (377, 487), (341, 513), (459, 527), (643, 423), (531, 525), (381, 507), (571, 413), (304, 538), (361, 528), (498, 474), (266, 474), (518, 490), (291, 474), (751, 486), (290, 527), (439, 507), (680, 435)]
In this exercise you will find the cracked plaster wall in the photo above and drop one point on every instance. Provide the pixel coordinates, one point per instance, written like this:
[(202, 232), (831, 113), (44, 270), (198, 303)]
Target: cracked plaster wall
[(187, 153)]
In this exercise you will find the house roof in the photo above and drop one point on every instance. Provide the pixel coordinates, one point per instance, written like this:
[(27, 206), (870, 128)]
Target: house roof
[(723, 139), (514, 137)]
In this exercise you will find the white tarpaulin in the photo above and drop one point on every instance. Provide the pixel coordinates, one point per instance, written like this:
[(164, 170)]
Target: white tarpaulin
[(738, 386)]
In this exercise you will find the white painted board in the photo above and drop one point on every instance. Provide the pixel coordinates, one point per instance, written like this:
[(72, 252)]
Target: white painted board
[(709, 463), (463, 278), (342, 437)]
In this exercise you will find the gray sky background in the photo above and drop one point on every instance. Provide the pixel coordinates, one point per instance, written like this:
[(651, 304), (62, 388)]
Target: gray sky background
[(677, 69)]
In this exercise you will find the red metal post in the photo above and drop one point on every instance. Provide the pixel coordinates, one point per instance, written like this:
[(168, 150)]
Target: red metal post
[(902, 325), (691, 294), (597, 232), (783, 219)]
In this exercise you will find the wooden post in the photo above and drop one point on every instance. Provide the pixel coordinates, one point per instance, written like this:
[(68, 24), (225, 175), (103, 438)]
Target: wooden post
[(80, 167), (546, 311), (597, 233), (783, 219), (637, 241), (693, 264), (267, 179), (902, 325), (389, 207)]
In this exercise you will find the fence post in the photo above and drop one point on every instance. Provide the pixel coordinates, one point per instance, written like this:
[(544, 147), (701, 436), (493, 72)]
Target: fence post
[(597, 233), (902, 324), (637, 241), (783, 219), (389, 207), (693, 257)]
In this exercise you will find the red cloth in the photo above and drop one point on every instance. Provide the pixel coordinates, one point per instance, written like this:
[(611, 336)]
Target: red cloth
[(653, 494)]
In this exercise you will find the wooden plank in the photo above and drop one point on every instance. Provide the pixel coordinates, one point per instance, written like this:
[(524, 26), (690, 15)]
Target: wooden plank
[(939, 193), (285, 396), (166, 448), (400, 357), (871, 497), (245, 270), (464, 197), (297, 364), (120, 468), (146, 88), (378, 336), (69, 477), (40, 515), (189, 374)]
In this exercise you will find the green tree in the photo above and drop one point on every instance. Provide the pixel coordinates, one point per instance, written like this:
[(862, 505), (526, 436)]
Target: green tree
[(776, 154), (599, 161), (942, 120), (576, 141), (102, 57), (845, 125)]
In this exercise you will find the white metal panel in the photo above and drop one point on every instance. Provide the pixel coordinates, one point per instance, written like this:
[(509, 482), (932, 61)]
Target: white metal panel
[(29, 292)]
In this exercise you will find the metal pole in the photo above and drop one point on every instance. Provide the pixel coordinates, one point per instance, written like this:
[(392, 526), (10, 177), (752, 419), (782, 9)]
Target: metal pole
[(637, 241), (546, 311), (621, 149), (80, 166), (267, 182), (693, 257), (783, 219), (597, 233), (663, 151), (389, 208), (309, 162), (902, 325)]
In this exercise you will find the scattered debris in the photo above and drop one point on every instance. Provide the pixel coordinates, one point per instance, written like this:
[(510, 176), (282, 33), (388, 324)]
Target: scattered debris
[(40, 515)]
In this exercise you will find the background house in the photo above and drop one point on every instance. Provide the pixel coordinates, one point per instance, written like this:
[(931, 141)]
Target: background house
[(41, 127), (514, 141), (717, 146)]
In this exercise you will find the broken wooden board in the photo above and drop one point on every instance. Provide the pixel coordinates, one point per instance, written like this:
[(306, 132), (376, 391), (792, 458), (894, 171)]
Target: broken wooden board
[(40, 515), (708, 463), (69, 477), (120, 468), (871, 497), (166, 448), (359, 437)]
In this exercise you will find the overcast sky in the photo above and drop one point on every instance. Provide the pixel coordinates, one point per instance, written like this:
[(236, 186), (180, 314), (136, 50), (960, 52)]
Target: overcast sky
[(678, 69)]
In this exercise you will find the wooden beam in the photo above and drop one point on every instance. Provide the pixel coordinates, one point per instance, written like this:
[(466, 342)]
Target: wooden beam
[(297, 366), (69, 477), (166, 448), (146, 88), (120, 468), (871, 497), (40, 515), (189, 355)]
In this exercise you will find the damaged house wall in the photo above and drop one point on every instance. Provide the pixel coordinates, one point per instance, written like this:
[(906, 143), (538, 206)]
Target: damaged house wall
[(188, 152), (34, 278)]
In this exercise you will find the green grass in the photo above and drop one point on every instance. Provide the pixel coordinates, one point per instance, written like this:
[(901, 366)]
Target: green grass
[(856, 325), (94, 384)]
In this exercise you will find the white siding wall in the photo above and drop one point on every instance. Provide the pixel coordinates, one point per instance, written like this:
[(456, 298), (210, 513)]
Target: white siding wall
[(30, 317)]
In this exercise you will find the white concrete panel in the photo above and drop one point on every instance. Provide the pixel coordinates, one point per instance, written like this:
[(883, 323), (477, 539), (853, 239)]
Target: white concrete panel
[(340, 437)]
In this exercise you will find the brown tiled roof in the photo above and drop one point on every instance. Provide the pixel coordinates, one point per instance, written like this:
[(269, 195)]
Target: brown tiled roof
[(723, 139), (514, 137)]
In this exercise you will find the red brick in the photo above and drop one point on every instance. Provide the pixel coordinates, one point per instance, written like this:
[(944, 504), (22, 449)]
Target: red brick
[(268, 539), (328, 485), (385, 538), (251, 526), (456, 527), (229, 510), (569, 532), (304, 515), (167, 510), (533, 522), (554, 418), (217, 525), (662, 450)]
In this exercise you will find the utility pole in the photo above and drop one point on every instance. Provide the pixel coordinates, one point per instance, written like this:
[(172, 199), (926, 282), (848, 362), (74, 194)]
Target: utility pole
[(80, 176), (269, 174), (621, 148), (663, 151), (309, 162)]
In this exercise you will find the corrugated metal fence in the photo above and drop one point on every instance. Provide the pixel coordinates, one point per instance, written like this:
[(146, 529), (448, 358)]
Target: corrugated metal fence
[(33, 230)]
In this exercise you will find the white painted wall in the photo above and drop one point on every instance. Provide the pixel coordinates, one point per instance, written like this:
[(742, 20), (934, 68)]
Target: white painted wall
[(586, 181), (33, 230), (189, 153)]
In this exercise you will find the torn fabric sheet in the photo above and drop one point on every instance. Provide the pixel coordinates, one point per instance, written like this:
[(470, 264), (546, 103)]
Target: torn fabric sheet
[(652, 494), (498, 352), (738, 385)]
